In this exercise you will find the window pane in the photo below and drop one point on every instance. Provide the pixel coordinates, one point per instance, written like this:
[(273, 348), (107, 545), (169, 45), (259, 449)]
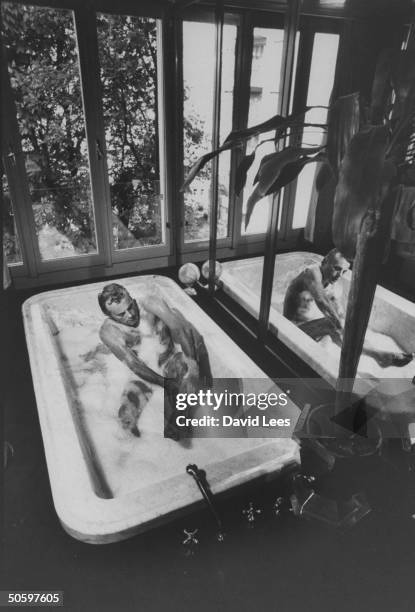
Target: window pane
[(265, 85), (11, 246), (199, 80), (323, 66), (128, 61), (43, 66)]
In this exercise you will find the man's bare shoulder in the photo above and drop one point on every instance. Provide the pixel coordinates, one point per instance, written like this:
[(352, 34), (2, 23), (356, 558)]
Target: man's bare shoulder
[(109, 330), (312, 274)]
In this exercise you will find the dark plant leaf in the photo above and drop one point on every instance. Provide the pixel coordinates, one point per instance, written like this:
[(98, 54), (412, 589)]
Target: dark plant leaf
[(250, 205), (242, 171), (343, 123), (382, 86), (238, 137), (276, 171), (403, 74), (403, 77), (292, 170), (324, 174), (364, 175), (272, 165), (201, 162), (271, 124), (264, 161), (407, 176)]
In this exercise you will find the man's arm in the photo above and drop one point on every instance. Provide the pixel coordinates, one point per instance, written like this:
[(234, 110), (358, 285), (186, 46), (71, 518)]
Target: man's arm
[(315, 287), (183, 333), (336, 302), (290, 301), (202, 359), (113, 339)]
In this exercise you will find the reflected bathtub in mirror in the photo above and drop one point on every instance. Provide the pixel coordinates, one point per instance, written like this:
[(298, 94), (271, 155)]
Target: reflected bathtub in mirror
[(391, 325)]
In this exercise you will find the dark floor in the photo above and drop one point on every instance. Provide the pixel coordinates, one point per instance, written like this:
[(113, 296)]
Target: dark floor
[(282, 563)]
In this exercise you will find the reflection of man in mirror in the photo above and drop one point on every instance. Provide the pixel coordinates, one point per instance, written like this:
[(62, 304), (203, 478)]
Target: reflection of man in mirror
[(313, 303), (176, 350)]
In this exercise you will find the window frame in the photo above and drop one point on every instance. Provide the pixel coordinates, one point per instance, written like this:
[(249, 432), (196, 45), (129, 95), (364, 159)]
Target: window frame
[(236, 244), (12, 162), (254, 242), (308, 27), (245, 20), (137, 252), (106, 259), (203, 15), (34, 261)]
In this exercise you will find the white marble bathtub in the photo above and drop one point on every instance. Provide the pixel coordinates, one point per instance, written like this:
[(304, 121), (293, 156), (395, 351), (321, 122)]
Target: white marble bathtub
[(106, 483), (392, 317)]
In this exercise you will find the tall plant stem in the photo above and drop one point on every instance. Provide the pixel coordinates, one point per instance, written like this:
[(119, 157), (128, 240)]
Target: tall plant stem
[(370, 251)]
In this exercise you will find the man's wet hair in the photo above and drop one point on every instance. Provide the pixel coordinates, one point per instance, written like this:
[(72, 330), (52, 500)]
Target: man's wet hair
[(329, 258), (112, 291)]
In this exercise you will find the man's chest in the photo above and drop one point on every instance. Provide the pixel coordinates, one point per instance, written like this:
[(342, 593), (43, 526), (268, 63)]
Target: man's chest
[(146, 343)]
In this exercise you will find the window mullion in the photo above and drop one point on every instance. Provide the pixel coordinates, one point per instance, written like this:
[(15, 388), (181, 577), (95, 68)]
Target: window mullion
[(287, 66), (16, 173), (215, 144), (240, 114), (85, 23), (305, 52), (173, 112), (163, 122)]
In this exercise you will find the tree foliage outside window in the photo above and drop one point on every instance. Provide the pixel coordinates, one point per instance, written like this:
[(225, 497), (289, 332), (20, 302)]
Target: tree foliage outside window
[(44, 75), (128, 62), (44, 72), (11, 246)]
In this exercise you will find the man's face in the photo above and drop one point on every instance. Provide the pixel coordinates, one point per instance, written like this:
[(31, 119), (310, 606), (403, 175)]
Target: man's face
[(338, 268), (125, 311), (335, 268)]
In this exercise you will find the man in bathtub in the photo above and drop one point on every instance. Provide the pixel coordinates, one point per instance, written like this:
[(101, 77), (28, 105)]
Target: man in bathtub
[(178, 361), (313, 303)]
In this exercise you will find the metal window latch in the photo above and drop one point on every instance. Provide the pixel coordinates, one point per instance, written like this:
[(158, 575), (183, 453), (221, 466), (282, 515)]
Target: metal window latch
[(203, 485), (100, 154)]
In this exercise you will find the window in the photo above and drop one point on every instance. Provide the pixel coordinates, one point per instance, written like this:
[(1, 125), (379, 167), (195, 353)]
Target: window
[(263, 104), (94, 132), (323, 66), (198, 103), (128, 67), (44, 75), (81, 143)]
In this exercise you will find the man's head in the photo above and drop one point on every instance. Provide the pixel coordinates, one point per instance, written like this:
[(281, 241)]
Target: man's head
[(333, 266), (117, 303)]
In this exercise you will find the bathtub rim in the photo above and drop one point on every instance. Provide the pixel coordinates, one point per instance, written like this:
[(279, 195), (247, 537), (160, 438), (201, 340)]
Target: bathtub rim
[(74, 498)]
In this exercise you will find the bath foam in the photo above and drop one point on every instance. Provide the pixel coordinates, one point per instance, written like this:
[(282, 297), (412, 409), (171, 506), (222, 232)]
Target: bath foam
[(100, 380)]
